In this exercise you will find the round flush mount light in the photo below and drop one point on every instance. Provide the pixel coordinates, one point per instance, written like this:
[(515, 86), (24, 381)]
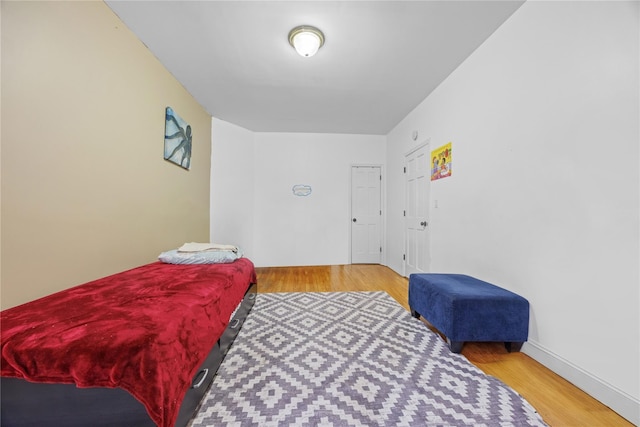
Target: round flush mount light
[(306, 40)]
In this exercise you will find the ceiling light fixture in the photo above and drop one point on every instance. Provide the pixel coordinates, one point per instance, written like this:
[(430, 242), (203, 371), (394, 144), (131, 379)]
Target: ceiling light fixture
[(306, 40)]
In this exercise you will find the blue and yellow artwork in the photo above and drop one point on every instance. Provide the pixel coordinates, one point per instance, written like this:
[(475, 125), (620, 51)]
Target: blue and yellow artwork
[(177, 139)]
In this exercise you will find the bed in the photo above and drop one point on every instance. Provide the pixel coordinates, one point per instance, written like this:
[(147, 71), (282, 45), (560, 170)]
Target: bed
[(138, 348)]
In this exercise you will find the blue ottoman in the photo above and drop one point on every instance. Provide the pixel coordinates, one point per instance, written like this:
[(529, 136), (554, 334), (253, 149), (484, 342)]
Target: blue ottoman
[(467, 309)]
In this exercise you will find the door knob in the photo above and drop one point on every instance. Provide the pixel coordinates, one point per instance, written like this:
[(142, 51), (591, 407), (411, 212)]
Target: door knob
[(423, 223), (354, 220)]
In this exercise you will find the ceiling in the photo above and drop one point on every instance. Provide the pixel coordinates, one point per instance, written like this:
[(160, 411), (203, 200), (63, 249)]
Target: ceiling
[(379, 61)]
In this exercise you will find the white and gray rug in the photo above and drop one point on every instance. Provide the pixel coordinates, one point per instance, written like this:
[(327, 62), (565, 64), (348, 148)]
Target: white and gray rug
[(351, 359)]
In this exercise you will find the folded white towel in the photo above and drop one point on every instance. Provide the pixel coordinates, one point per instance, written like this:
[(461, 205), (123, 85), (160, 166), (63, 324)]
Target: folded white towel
[(202, 247)]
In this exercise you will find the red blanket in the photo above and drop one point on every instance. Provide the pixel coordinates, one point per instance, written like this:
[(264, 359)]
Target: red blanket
[(146, 330)]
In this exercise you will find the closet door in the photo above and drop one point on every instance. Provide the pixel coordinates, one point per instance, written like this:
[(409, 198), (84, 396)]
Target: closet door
[(366, 214), (417, 185)]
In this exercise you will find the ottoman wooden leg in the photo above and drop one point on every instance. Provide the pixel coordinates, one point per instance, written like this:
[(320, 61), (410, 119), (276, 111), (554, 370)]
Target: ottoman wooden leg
[(513, 346), (455, 346)]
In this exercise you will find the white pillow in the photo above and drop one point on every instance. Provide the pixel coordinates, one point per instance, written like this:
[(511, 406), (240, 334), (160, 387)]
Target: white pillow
[(203, 257)]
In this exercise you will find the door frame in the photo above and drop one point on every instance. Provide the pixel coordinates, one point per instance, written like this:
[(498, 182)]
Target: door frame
[(425, 143), (383, 207)]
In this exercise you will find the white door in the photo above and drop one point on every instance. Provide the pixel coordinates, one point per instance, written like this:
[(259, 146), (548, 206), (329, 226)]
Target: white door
[(417, 181), (366, 214)]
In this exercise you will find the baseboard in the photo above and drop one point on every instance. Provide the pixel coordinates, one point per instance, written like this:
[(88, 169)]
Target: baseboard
[(622, 403)]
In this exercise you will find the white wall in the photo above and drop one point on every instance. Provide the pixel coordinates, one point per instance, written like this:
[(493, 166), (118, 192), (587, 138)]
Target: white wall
[(311, 230), (544, 194), (232, 185)]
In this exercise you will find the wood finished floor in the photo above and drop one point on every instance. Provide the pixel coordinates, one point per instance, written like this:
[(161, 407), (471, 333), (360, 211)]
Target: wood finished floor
[(558, 402)]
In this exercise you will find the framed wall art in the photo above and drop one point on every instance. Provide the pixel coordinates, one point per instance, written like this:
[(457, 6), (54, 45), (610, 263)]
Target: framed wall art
[(177, 139), (441, 162)]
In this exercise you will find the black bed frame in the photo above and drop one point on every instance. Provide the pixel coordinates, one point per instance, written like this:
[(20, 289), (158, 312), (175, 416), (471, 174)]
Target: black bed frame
[(23, 403)]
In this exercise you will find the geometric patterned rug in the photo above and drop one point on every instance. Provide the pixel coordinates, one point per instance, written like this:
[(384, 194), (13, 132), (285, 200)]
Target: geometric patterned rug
[(350, 359)]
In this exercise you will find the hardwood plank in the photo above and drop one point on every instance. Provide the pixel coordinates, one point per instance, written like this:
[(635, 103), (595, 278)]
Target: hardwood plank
[(559, 402)]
